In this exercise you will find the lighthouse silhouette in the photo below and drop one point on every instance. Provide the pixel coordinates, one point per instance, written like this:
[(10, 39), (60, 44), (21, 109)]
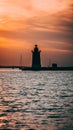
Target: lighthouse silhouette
[(36, 60)]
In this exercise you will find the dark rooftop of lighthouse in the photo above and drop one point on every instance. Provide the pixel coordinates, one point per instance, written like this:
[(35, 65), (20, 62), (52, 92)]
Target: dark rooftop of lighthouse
[(36, 49)]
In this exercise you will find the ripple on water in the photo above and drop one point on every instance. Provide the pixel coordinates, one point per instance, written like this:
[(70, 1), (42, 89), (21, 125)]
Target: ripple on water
[(36, 101)]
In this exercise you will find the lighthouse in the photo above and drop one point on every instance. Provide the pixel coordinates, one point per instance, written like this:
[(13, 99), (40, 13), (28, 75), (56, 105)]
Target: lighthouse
[(36, 60)]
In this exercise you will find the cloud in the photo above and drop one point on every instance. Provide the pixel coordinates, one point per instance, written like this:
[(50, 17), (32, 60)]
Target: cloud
[(30, 22), (29, 8), (65, 23), (57, 28)]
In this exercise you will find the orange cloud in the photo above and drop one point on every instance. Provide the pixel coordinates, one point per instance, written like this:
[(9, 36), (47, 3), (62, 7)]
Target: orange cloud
[(48, 23)]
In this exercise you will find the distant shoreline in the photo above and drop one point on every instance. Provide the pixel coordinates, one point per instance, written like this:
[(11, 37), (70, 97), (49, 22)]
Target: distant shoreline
[(39, 69)]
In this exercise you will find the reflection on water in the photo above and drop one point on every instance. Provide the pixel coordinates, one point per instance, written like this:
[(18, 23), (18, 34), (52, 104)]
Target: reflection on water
[(36, 100)]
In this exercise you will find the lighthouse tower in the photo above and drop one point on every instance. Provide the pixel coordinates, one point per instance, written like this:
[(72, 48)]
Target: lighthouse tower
[(36, 60)]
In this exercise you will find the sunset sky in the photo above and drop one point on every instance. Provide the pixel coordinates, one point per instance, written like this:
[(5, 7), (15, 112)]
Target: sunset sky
[(47, 23)]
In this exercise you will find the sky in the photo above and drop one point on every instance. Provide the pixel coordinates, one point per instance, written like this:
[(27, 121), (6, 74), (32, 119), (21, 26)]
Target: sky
[(47, 23)]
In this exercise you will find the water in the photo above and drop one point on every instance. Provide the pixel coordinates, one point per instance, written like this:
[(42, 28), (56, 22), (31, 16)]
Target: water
[(40, 100)]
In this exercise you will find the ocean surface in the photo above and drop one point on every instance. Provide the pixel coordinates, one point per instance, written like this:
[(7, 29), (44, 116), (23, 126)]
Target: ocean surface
[(31, 100)]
